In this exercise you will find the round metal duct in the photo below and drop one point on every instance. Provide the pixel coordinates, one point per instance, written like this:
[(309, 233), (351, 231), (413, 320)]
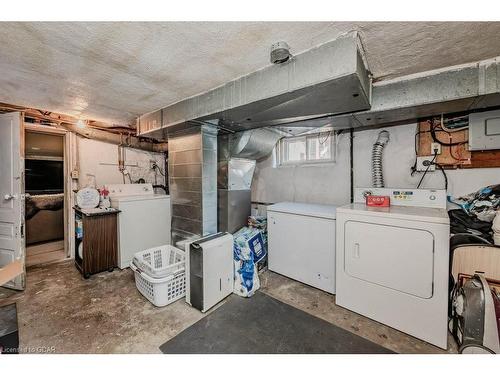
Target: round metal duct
[(280, 53), (254, 144)]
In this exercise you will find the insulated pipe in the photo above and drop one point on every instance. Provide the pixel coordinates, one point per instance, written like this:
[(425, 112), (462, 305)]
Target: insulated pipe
[(378, 147)]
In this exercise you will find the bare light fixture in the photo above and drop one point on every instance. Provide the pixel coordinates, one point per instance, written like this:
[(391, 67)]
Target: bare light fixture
[(81, 123)]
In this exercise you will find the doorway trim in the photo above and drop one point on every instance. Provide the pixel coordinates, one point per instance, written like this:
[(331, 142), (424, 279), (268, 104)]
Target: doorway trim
[(69, 161)]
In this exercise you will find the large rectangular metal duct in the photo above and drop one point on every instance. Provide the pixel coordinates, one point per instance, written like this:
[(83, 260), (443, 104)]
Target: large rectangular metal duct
[(234, 179), (329, 79), (455, 89), (192, 168)]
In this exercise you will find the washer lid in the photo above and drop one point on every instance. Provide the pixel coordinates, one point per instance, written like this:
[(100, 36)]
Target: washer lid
[(120, 190), (429, 215), (306, 209), (132, 198)]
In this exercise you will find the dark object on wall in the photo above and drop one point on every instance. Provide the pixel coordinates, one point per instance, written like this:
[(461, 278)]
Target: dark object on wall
[(99, 242), (44, 176), (9, 336)]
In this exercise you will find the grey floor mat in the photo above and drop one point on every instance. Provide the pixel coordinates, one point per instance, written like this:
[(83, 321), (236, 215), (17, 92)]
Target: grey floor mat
[(261, 325)]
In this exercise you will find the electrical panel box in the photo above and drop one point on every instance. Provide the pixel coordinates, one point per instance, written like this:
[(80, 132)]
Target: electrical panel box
[(484, 131)]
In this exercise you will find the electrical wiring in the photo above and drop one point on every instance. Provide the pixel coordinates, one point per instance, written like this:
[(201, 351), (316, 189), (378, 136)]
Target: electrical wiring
[(444, 175), (326, 138), (156, 167), (413, 169), (427, 170), (435, 139), (433, 130), (449, 144), (459, 158), (432, 162), (159, 170), (463, 122)]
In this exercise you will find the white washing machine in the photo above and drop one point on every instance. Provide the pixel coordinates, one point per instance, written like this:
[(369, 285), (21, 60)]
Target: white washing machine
[(144, 220), (393, 262)]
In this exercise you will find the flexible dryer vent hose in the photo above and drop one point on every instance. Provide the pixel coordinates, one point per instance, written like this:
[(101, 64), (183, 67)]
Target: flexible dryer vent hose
[(378, 147)]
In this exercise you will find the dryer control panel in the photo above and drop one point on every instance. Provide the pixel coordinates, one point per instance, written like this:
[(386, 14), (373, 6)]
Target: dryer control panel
[(405, 197)]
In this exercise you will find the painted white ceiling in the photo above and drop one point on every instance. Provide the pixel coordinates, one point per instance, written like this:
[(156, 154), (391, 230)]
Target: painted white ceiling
[(114, 72)]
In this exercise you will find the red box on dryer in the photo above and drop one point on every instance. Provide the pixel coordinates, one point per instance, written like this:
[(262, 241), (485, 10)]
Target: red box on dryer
[(378, 201)]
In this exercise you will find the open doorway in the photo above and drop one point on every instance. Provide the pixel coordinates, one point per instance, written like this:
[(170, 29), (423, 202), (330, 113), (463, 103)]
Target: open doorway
[(45, 197)]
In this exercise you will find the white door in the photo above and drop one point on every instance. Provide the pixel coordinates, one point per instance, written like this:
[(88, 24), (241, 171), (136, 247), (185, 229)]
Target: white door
[(12, 193), (399, 258)]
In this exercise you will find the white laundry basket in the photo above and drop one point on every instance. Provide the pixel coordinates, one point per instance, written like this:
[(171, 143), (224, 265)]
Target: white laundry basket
[(160, 261), (168, 288)]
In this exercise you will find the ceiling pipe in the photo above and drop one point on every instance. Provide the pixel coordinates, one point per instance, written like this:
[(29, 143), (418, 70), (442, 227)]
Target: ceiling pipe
[(114, 138), (89, 130)]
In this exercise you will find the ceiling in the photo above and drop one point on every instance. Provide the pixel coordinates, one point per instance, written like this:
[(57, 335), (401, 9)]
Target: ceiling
[(114, 72)]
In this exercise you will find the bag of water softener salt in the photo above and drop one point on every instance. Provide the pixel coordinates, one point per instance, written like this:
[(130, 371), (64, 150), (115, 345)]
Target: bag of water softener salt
[(247, 244)]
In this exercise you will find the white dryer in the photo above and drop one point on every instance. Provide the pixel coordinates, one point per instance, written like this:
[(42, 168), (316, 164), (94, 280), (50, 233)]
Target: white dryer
[(144, 220), (393, 262)]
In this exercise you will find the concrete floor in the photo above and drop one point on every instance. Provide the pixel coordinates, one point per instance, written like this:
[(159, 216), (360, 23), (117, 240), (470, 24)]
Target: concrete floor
[(45, 252), (106, 313)]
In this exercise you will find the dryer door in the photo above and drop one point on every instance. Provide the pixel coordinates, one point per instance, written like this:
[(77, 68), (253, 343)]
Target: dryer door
[(395, 257)]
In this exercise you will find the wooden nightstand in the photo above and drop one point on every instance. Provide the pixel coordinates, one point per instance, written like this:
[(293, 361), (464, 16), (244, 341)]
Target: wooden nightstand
[(96, 233)]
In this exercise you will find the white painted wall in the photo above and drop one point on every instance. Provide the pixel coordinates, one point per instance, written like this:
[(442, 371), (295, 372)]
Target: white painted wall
[(101, 159), (329, 184), (307, 183)]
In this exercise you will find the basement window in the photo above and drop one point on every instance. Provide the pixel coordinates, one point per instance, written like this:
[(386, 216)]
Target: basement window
[(307, 149)]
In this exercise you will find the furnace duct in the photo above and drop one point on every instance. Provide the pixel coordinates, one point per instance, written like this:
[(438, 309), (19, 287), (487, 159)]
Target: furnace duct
[(378, 148), (237, 155), (255, 144)]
